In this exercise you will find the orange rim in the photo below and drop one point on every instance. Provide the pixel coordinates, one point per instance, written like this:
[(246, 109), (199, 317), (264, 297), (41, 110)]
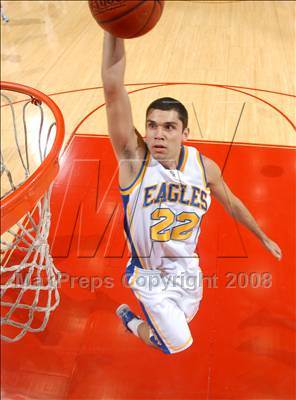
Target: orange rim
[(15, 205)]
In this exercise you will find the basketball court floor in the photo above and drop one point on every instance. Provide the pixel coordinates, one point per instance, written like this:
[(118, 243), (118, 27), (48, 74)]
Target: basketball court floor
[(232, 63)]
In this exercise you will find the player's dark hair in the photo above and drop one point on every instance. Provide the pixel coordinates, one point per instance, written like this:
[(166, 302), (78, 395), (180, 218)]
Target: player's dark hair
[(168, 103)]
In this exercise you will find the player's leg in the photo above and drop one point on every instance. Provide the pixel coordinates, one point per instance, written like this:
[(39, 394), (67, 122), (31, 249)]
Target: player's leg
[(166, 328), (170, 330), (134, 324)]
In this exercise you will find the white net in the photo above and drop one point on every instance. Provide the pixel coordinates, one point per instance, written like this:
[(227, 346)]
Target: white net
[(29, 278)]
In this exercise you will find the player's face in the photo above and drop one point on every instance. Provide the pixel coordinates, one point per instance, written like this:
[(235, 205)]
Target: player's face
[(165, 134)]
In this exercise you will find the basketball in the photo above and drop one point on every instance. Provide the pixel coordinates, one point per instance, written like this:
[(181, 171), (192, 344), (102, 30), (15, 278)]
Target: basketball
[(126, 18)]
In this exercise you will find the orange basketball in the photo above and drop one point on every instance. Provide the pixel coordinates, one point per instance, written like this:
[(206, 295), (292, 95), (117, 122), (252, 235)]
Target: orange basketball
[(126, 18)]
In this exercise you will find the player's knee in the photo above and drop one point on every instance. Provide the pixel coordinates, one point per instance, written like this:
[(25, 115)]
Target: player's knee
[(173, 351), (167, 347), (159, 345)]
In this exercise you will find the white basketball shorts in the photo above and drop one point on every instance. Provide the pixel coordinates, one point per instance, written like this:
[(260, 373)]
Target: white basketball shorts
[(169, 301)]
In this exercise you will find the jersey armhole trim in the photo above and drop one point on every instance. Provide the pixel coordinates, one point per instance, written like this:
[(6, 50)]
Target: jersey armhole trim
[(139, 177), (185, 157), (203, 170)]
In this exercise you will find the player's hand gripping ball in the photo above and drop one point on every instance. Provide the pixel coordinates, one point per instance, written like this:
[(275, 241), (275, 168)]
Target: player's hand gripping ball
[(126, 18)]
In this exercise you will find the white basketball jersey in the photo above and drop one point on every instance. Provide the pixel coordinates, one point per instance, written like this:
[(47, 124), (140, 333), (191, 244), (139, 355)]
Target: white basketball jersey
[(163, 211)]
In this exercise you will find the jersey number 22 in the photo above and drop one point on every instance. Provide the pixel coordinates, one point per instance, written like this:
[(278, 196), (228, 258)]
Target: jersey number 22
[(163, 231)]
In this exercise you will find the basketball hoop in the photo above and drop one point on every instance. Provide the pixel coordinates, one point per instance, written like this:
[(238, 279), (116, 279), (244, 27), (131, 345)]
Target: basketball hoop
[(29, 164)]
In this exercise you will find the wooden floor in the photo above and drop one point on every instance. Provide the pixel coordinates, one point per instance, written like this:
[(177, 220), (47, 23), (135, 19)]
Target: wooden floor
[(56, 46)]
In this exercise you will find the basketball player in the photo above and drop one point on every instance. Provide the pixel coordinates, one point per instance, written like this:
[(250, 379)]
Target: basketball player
[(166, 188)]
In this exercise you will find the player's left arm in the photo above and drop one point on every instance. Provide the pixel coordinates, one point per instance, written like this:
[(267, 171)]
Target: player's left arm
[(235, 207)]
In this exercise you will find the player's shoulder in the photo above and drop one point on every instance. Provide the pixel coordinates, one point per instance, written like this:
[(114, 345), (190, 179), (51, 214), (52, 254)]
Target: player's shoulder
[(207, 162), (212, 169)]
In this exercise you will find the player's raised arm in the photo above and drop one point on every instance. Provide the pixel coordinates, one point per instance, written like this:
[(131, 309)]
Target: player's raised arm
[(119, 114), (235, 207)]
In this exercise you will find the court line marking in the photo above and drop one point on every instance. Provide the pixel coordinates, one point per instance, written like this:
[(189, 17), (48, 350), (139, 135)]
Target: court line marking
[(163, 84), (193, 84), (166, 83), (197, 120), (233, 137)]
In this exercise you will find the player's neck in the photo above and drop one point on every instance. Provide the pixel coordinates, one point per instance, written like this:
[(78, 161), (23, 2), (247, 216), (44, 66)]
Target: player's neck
[(173, 163), (169, 164)]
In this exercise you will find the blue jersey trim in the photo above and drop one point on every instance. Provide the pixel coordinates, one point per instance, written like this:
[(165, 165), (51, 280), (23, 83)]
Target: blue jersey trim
[(135, 261), (129, 272), (160, 345), (204, 170), (138, 175), (181, 158)]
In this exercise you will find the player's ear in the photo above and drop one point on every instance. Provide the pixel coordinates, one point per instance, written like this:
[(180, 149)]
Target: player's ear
[(185, 134)]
